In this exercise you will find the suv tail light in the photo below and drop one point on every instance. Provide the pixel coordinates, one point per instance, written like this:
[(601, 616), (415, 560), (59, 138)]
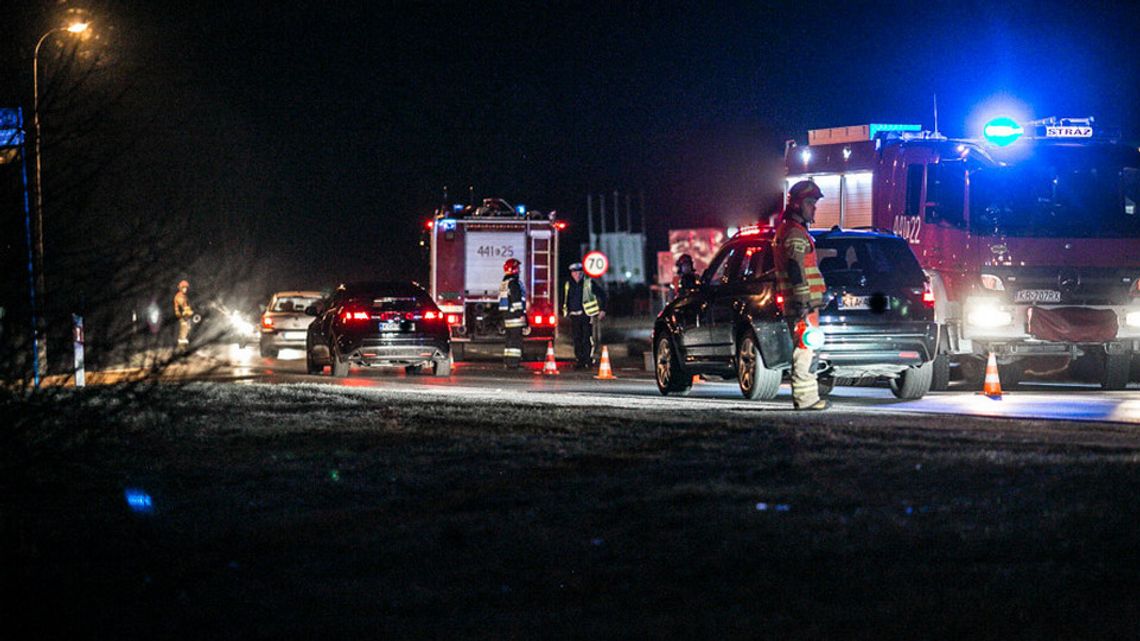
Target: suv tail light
[(927, 295)]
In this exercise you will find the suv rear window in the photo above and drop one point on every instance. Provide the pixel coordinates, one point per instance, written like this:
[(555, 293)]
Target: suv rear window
[(884, 262)]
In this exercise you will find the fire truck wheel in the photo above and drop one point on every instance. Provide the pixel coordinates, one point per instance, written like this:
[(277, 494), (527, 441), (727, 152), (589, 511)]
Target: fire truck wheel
[(1011, 374), (940, 378), (671, 377), (1116, 370)]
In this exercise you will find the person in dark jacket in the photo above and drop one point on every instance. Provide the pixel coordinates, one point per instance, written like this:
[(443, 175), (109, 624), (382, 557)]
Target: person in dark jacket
[(512, 305), (582, 302), (686, 281)]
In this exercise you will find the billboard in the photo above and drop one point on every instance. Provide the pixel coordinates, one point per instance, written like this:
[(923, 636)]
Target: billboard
[(701, 244)]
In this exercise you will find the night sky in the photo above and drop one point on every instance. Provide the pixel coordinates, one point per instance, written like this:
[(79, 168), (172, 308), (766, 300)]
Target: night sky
[(315, 138)]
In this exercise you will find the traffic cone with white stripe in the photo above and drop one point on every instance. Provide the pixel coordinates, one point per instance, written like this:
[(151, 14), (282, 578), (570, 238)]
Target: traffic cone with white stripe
[(550, 368), (604, 370), (992, 386)]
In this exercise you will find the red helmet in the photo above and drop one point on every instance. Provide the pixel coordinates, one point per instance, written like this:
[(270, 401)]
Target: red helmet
[(802, 190), (511, 266), (183, 283)]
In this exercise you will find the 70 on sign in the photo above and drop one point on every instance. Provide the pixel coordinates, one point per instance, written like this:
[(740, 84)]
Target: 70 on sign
[(595, 264)]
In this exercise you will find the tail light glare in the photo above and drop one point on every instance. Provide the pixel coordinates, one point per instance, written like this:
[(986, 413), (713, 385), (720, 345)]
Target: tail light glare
[(538, 319), (350, 315), (453, 319), (928, 296), (267, 322), (433, 315), (552, 320)]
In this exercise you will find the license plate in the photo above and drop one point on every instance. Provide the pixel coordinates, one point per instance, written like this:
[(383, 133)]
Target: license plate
[(294, 336), (395, 326), (850, 301), (1037, 296)]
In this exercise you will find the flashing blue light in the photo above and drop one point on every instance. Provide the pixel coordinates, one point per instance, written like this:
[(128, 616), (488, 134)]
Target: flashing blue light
[(446, 224), (875, 128), (457, 207), (139, 501), (521, 209), (1002, 131)]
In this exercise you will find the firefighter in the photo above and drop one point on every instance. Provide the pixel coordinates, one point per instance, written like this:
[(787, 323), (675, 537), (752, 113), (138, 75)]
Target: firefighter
[(800, 283), (512, 305), (582, 301), (184, 313), (686, 276)]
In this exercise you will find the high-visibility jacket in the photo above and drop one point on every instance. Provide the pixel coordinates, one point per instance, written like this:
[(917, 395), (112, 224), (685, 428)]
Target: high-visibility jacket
[(590, 304), (182, 305), (512, 301), (797, 274)]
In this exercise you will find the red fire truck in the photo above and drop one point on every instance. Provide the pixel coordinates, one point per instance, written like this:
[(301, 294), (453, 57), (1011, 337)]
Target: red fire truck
[(1030, 235), (468, 248)]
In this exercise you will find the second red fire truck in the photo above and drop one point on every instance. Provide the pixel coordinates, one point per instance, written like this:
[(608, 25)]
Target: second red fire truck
[(1030, 236)]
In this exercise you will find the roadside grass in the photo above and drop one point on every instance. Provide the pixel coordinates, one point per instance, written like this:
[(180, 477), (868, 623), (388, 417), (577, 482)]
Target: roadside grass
[(307, 511)]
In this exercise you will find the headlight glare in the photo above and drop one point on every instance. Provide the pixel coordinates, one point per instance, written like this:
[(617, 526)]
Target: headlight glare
[(986, 312), (1132, 319)]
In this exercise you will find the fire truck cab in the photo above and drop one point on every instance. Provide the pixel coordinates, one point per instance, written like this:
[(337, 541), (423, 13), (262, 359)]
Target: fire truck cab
[(1030, 237), (469, 245)]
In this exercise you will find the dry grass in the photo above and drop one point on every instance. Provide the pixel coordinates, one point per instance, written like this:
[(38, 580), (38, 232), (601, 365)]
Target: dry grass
[(313, 512)]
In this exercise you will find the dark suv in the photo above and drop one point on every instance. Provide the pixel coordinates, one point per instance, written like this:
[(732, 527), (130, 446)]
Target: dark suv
[(878, 318), (378, 323)]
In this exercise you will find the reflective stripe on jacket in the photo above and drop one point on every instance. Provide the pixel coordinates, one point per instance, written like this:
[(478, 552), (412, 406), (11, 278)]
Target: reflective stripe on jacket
[(590, 303), (793, 243)]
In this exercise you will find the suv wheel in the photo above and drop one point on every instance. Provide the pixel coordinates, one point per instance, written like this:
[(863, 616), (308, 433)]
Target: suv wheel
[(756, 380), (914, 382), (671, 377)]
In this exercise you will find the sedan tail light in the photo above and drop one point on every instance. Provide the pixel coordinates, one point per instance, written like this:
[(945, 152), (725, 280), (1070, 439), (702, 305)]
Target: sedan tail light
[(432, 315), (267, 322), (354, 315)]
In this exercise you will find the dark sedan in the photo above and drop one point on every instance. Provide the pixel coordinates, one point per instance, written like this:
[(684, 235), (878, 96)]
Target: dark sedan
[(378, 324), (878, 318)]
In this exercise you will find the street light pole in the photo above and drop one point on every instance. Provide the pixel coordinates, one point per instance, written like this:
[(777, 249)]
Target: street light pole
[(40, 333)]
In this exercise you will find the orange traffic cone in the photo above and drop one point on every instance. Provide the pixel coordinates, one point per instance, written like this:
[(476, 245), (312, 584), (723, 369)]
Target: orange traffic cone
[(992, 386), (696, 378), (550, 367), (604, 371)]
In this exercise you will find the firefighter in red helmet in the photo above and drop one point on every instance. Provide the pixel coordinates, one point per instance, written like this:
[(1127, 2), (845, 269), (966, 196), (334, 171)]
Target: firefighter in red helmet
[(801, 284), (184, 313), (512, 307)]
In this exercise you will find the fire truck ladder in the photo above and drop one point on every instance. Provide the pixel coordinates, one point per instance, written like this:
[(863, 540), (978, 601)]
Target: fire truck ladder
[(540, 246)]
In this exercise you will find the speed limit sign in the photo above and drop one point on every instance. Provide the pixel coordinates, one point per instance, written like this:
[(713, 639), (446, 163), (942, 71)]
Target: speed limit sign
[(595, 264)]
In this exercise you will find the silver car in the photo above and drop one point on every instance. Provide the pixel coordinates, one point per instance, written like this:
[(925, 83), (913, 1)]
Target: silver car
[(284, 323)]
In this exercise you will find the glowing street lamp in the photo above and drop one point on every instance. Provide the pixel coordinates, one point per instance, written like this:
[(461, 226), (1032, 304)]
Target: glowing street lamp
[(39, 337)]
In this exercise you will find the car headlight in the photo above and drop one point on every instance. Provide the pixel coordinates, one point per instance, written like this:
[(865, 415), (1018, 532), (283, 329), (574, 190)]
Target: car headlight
[(1132, 319), (987, 312)]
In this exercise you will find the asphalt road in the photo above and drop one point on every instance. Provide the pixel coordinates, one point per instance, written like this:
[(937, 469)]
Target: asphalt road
[(635, 387)]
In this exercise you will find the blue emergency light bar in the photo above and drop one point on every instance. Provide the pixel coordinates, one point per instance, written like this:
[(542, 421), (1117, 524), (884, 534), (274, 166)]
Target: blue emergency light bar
[(876, 128), (1002, 131)]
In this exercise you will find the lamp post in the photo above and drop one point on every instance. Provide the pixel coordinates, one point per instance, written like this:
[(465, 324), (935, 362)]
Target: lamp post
[(40, 338)]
